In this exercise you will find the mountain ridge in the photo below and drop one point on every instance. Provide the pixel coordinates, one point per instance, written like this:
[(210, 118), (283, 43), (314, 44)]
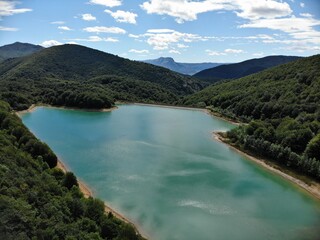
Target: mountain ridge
[(244, 68), (18, 49), (183, 68)]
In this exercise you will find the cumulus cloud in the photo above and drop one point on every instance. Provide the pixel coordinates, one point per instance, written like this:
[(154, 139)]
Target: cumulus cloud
[(64, 28), (101, 29), (174, 51), (9, 29), (88, 17), (106, 3), (187, 10), (50, 43), (123, 16), (8, 8), (161, 39), (139, 51), (302, 4), (263, 9), (95, 39)]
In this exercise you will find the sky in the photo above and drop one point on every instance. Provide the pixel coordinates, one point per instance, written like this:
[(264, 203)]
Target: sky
[(187, 30)]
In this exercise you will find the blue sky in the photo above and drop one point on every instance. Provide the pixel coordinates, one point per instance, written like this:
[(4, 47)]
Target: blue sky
[(187, 30)]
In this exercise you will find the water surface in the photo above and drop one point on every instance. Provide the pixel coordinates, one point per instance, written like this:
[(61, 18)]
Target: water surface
[(161, 168)]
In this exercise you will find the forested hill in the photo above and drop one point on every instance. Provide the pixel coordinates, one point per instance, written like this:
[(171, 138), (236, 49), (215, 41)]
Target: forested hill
[(39, 201), (58, 75), (281, 104), (242, 69), (18, 49)]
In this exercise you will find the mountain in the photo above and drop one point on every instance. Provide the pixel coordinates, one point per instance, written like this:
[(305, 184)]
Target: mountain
[(74, 75), (282, 107), (18, 49), (242, 69), (184, 68)]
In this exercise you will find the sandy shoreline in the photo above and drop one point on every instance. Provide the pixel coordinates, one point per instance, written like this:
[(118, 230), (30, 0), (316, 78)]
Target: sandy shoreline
[(34, 106), (88, 193), (313, 189)]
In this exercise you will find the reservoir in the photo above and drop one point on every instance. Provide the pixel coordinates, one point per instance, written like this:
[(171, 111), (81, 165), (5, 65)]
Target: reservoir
[(161, 168)]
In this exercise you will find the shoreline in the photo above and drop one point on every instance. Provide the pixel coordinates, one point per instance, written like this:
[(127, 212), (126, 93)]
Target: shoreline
[(107, 209), (33, 107), (313, 189)]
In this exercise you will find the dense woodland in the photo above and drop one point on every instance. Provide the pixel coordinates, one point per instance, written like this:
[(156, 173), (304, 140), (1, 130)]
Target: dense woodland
[(282, 108), (76, 76), (39, 201)]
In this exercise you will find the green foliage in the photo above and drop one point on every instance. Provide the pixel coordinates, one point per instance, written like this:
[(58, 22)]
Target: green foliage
[(70, 180), (39, 202), (76, 76), (282, 107), (313, 148)]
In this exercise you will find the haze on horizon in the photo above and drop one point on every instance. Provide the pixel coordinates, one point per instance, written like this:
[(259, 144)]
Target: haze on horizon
[(187, 30)]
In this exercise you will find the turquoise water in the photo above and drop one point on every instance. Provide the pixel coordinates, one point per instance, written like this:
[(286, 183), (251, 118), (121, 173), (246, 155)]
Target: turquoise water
[(162, 169)]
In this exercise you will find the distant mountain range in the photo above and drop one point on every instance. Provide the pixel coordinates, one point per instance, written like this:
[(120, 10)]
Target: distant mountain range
[(184, 68), (242, 69), (18, 49)]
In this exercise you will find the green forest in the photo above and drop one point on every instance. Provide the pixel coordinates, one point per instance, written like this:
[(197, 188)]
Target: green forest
[(77, 76), (281, 107), (39, 201)]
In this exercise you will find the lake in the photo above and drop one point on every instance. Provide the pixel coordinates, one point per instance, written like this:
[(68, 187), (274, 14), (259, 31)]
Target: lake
[(162, 169)]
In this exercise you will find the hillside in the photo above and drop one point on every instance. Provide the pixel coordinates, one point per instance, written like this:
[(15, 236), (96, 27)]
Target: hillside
[(39, 201), (18, 49), (74, 75), (183, 68), (282, 106), (242, 69)]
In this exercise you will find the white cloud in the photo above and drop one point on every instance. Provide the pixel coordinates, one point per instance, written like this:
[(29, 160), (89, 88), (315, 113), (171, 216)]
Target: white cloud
[(9, 29), (88, 17), (58, 22), (95, 39), (302, 4), (50, 43), (263, 9), (225, 52), (187, 10), (307, 15), (139, 51), (214, 53), (101, 29), (297, 28), (64, 28), (181, 45), (161, 39), (229, 50), (123, 16), (72, 42), (174, 51), (133, 36), (8, 8), (107, 3)]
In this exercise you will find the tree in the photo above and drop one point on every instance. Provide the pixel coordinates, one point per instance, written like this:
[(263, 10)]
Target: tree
[(313, 147), (70, 180)]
